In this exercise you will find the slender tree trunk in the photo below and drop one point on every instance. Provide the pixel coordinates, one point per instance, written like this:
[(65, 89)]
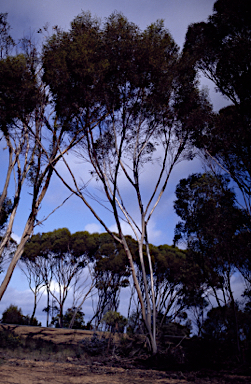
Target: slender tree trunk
[(154, 312), (9, 171), (61, 315), (48, 306), (234, 312), (79, 306), (216, 296), (26, 234), (146, 317), (34, 307)]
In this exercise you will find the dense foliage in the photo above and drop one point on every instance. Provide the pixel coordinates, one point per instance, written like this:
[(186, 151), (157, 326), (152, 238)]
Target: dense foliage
[(128, 102), (14, 315), (78, 323), (221, 49)]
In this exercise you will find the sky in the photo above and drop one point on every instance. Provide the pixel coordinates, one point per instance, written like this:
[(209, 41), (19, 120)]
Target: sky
[(30, 15), (26, 17)]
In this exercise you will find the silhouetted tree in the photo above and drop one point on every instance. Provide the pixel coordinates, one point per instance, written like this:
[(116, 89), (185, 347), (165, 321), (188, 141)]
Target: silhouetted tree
[(149, 105), (221, 49), (211, 224)]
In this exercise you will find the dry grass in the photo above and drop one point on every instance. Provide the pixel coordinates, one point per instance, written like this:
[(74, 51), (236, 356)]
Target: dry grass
[(55, 335)]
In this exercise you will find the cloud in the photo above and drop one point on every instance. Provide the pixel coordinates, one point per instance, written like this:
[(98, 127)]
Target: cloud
[(238, 284), (16, 237), (93, 228), (22, 299)]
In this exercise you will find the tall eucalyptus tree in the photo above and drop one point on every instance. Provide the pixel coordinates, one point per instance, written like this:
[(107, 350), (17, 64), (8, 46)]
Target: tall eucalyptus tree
[(146, 96), (33, 133), (221, 49)]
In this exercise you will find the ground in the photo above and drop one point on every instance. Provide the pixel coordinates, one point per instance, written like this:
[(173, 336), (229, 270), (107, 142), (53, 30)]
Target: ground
[(40, 372), (64, 367)]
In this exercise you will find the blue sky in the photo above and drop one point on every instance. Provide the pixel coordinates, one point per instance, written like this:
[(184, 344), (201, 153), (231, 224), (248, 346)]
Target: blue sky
[(26, 17)]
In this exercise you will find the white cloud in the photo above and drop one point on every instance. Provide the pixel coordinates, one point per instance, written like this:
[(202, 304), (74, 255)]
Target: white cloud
[(93, 228), (16, 237), (54, 287)]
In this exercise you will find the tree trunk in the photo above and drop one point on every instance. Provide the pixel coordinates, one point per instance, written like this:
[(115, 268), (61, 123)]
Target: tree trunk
[(34, 308), (235, 313), (146, 317), (48, 306), (26, 234)]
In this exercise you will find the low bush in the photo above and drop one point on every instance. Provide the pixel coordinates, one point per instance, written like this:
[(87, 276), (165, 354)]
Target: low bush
[(96, 345), (9, 340)]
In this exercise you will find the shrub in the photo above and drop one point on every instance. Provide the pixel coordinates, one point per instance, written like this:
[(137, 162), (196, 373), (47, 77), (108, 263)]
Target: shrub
[(13, 315), (8, 339), (27, 320), (79, 322), (95, 346), (115, 321)]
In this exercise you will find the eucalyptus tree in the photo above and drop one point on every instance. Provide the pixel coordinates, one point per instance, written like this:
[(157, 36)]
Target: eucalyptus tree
[(57, 258), (150, 108), (32, 270), (38, 266), (212, 225), (33, 133), (66, 265), (171, 267), (6, 41), (18, 99), (111, 274), (5, 211), (221, 49)]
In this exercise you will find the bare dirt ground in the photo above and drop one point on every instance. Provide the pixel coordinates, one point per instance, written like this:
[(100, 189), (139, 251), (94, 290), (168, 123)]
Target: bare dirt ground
[(29, 371), (32, 367), (16, 371)]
